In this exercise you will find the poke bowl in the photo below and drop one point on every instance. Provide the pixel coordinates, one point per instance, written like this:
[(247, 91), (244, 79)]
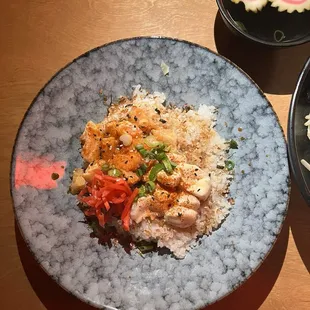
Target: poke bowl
[(181, 84)]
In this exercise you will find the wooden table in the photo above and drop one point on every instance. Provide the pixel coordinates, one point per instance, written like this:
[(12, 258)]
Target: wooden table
[(38, 37)]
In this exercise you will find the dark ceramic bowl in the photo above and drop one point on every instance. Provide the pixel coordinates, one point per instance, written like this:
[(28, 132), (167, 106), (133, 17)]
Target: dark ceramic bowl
[(298, 143), (268, 26)]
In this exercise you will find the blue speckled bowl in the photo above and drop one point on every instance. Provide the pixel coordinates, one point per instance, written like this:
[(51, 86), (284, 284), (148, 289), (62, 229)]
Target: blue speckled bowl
[(48, 141)]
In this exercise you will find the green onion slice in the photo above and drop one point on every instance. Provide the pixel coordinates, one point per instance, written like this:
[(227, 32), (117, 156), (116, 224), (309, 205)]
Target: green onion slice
[(150, 186), (167, 164), (105, 167), (229, 165), (114, 173), (142, 191), (233, 144), (154, 171)]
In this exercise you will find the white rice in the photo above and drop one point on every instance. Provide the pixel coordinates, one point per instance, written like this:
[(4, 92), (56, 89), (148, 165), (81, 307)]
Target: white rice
[(204, 147)]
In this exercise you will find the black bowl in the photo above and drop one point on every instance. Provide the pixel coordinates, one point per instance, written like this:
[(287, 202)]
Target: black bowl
[(298, 143), (268, 26)]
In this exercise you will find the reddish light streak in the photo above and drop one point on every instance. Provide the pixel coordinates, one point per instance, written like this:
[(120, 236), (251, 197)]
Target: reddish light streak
[(37, 172)]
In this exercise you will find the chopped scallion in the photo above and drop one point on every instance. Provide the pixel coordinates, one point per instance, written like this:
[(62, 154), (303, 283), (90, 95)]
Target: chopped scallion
[(164, 68), (139, 172), (144, 153), (173, 164), (150, 186), (154, 171), (233, 144), (167, 165), (143, 167), (114, 173), (105, 167), (278, 36), (142, 191), (139, 147), (229, 165)]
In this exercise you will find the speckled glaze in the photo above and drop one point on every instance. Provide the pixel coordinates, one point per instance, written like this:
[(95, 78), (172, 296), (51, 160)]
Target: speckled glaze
[(50, 219)]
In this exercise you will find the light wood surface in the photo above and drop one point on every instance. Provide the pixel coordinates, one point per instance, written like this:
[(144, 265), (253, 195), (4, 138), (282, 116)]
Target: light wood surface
[(38, 37)]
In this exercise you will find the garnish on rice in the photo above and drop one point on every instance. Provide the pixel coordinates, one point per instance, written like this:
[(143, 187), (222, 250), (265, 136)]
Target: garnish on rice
[(152, 173)]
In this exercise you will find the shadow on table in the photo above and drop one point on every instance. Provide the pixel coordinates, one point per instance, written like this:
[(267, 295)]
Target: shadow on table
[(299, 221), (275, 70), (49, 292)]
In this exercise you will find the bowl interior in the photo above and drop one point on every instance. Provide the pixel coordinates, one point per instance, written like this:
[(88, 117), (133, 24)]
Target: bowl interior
[(299, 144), (268, 26)]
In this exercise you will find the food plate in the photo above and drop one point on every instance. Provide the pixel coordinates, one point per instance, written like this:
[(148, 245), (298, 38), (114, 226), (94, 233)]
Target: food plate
[(298, 142), (47, 148)]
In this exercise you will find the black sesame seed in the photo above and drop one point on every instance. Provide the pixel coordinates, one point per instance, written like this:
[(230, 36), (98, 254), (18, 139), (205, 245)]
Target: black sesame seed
[(55, 176), (163, 121), (198, 190), (135, 118)]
